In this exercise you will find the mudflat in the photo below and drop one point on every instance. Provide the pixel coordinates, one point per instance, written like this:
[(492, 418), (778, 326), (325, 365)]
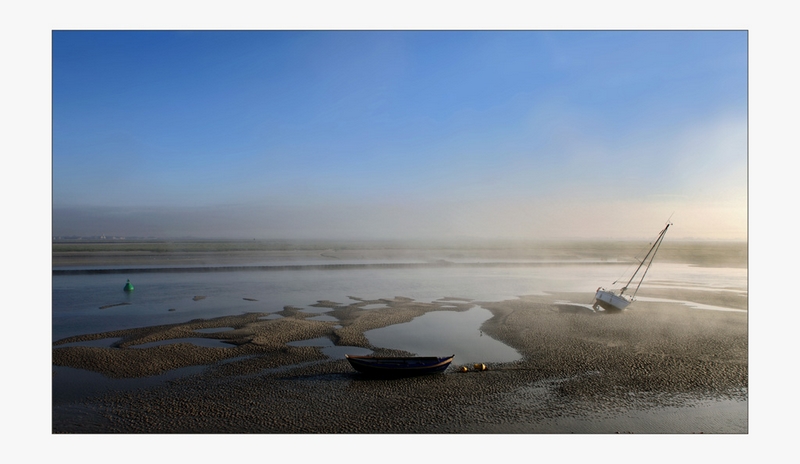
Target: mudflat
[(575, 364)]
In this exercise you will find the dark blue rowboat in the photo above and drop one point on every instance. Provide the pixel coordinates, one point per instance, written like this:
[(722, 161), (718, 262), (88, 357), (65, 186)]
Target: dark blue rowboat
[(401, 366)]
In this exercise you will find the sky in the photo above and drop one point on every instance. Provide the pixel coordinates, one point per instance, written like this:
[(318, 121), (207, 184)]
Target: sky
[(441, 135)]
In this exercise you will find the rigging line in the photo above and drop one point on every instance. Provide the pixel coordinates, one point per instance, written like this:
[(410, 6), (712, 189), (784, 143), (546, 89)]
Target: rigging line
[(649, 254), (633, 276), (658, 245), (653, 246), (635, 258), (645, 272)]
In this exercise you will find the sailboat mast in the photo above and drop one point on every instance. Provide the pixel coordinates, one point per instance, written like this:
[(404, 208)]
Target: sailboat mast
[(655, 250), (650, 254)]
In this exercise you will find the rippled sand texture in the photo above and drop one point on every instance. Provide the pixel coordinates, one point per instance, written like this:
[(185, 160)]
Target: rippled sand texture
[(593, 368)]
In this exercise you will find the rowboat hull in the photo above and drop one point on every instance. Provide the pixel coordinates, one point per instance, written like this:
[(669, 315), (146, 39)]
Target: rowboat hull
[(399, 366)]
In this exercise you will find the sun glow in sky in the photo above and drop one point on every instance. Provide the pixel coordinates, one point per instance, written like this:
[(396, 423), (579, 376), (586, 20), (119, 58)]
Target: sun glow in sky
[(400, 134)]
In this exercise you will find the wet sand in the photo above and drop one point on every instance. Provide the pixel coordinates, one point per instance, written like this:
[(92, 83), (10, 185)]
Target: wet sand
[(576, 365)]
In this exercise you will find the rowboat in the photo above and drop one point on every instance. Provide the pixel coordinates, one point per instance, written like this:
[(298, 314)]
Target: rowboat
[(399, 366)]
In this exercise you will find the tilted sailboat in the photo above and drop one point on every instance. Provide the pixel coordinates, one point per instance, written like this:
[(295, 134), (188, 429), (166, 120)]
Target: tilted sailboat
[(617, 300)]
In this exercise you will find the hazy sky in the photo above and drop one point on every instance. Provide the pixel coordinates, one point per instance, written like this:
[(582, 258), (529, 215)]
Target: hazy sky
[(401, 134)]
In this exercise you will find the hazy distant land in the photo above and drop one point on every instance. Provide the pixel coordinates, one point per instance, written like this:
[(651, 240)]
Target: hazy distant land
[(213, 252)]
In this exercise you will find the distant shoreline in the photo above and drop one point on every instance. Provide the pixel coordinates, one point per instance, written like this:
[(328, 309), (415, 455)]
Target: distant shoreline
[(240, 255), (94, 244), (326, 267), (104, 258)]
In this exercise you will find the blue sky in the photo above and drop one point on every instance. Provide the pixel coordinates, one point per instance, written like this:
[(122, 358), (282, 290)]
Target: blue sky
[(400, 134)]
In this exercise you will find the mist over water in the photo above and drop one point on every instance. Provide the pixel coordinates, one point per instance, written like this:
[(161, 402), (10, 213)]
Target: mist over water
[(163, 298)]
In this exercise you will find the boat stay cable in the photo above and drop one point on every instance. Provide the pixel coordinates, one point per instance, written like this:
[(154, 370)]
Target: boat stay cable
[(650, 254), (635, 258)]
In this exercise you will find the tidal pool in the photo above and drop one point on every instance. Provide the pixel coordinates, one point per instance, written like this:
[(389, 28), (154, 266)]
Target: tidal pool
[(442, 333), (99, 343), (316, 310), (214, 330), (70, 384)]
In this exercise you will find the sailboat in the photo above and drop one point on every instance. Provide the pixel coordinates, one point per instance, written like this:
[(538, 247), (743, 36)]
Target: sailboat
[(617, 300)]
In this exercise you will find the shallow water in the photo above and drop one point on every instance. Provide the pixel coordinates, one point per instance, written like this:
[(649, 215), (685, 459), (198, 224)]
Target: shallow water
[(71, 384), (698, 416), (214, 330), (690, 304), (443, 333), (167, 298), (99, 343)]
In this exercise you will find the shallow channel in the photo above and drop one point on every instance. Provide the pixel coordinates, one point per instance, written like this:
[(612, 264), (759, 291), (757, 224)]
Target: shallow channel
[(441, 333)]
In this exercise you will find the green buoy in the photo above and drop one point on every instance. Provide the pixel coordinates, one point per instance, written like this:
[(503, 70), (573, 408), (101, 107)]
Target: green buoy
[(128, 286)]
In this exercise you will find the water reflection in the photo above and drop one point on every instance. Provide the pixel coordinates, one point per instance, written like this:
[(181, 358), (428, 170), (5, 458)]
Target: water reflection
[(316, 310), (691, 304), (70, 384), (214, 330), (442, 333), (99, 343)]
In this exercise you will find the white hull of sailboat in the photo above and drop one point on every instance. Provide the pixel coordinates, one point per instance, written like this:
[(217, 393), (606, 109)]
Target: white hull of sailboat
[(610, 301)]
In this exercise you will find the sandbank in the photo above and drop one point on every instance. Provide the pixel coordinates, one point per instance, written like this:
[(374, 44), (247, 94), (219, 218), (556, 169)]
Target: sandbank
[(575, 364)]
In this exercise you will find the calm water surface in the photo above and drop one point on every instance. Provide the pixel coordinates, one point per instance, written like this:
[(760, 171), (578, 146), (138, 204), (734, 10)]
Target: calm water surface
[(165, 298), (442, 333)]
